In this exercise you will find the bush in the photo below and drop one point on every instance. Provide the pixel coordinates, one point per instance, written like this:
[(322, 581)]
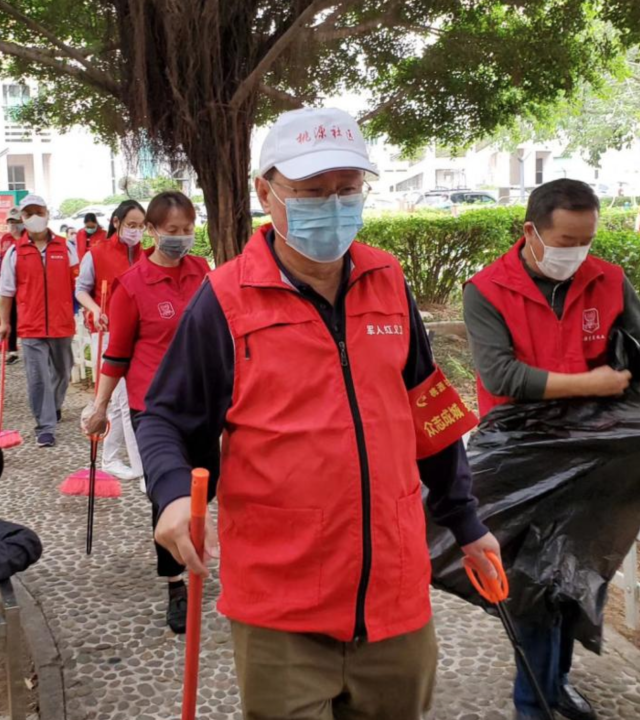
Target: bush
[(72, 205), (617, 219), (202, 247), (438, 253), (621, 247)]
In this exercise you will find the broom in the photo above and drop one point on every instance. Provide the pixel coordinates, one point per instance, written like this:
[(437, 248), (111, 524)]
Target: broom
[(92, 482), (8, 438), (199, 485)]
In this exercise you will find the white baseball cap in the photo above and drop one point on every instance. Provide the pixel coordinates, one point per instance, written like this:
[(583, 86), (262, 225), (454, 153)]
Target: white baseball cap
[(14, 214), (32, 200), (307, 142)]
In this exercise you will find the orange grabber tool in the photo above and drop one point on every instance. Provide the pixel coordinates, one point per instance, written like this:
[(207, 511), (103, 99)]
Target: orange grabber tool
[(496, 591), (199, 487), (95, 439)]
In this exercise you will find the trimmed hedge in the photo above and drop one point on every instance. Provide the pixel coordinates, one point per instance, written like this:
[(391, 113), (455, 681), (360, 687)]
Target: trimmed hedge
[(439, 252)]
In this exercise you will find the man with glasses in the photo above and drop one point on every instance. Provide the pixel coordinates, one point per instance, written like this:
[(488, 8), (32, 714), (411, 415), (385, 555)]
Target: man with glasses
[(308, 354)]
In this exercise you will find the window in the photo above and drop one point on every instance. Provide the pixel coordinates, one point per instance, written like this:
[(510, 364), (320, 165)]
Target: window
[(16, 177), (539, 171), (14, 95)]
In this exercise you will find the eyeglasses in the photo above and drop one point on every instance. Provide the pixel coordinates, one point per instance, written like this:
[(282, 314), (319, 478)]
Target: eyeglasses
[(321, 193)]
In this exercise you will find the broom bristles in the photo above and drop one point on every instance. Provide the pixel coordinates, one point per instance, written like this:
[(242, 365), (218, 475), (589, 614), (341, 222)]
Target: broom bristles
[(78, 484), (9, 439)]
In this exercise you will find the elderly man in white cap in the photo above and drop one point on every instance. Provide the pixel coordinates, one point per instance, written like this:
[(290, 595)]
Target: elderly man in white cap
[(308, 354), (38, 274)]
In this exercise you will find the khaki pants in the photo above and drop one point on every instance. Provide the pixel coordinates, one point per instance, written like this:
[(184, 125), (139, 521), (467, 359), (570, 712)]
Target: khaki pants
[(294, 676)]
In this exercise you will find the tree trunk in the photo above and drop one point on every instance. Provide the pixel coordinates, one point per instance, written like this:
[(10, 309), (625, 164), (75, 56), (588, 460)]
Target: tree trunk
[(222, 161)]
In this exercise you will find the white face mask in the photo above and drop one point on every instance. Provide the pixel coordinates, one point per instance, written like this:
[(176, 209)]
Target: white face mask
[(36, 223), (560, 263)]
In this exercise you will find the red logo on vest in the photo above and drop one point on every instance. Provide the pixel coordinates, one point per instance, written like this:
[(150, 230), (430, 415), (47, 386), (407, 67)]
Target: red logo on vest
[(591, 320), (166, 310)]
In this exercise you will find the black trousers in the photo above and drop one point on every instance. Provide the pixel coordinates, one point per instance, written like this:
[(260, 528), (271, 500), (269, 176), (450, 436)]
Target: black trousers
[(13, 335), (168, 566)]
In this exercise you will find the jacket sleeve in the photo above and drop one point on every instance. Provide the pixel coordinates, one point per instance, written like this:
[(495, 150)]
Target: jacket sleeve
[(493, 354), (446, 474), (19, 548), (188, 401)]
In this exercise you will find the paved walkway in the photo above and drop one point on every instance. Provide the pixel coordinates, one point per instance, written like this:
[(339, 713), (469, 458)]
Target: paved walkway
[(106, 612)]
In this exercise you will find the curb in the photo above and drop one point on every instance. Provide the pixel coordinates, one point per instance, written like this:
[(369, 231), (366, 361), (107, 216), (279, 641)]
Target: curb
[(44, 653)]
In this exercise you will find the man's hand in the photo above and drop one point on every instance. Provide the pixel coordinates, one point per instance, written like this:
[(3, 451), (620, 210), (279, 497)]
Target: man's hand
[(172, 532), (5, 331), (606, 382), (100, 320), (478, 549)]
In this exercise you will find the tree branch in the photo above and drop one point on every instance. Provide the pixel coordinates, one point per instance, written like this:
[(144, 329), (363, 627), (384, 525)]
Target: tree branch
[(349, 31), (283, 97), (280, 45), (380, 108), (47, 59), (98, 75)]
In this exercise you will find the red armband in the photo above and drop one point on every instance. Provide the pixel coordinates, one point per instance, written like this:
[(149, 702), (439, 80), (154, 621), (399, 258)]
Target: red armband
[(440, 416)]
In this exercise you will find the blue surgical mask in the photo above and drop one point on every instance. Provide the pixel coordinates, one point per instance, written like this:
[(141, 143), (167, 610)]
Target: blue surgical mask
[(323, 229)]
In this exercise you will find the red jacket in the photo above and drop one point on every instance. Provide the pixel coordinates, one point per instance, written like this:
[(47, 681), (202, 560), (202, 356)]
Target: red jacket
[(575, 343), (6, 241), (110, 260), (292, 544), (160, 302), (86, 242), (44, 291)]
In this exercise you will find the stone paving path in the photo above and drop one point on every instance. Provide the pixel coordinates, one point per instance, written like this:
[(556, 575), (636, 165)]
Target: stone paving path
[(106, 611)]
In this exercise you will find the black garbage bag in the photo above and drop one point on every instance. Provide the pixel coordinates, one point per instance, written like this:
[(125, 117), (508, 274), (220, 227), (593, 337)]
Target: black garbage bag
[(559, 485)]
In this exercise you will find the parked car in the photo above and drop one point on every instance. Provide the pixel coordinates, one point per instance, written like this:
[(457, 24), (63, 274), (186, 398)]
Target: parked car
[(445, 199), (102, 212)]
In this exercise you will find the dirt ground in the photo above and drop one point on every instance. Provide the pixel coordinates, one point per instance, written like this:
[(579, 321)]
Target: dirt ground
[(453, 355)]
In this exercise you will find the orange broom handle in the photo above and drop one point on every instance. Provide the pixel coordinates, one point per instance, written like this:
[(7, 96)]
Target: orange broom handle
[(199, 488)]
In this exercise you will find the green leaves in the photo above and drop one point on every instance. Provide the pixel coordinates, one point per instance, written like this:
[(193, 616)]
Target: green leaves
[(439, 252)]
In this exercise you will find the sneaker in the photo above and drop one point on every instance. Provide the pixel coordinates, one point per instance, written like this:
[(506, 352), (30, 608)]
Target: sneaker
[(177, 610), (12, 359), (118, 469), (59, 415), (46, 440)]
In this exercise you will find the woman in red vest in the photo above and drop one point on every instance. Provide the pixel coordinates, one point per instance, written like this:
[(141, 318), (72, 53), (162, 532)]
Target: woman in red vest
[(106, 261), (146, 307), (90, 235)]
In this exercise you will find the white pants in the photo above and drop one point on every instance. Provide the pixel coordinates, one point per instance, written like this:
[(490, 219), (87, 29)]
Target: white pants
[(121, 433)]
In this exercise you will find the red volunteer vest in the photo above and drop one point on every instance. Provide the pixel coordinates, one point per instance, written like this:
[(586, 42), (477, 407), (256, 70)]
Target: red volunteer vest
[(7, 241), (292, 499), (160, 302), (86, 242), (44, 291), (110, 260), (574, 344)]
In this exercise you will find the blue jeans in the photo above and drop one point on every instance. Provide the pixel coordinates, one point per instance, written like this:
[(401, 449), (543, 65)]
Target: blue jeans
[(549, 650)]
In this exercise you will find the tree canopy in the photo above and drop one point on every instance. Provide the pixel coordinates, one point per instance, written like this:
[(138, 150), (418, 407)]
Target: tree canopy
[(191, 78), (597, 117)]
